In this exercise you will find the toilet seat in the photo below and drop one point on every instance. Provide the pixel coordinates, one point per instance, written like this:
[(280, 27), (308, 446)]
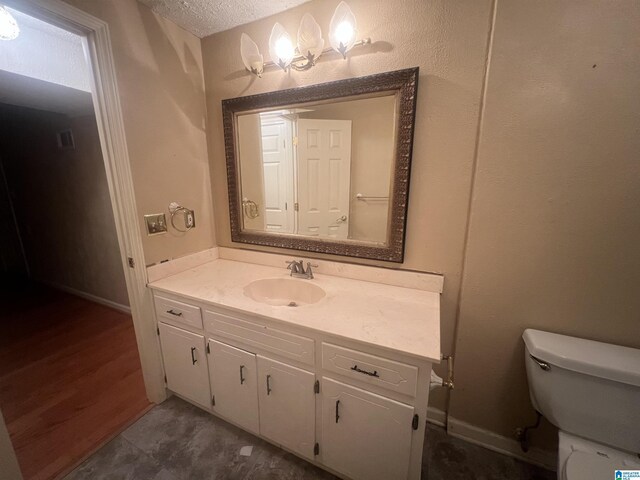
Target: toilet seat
[(589, 466)]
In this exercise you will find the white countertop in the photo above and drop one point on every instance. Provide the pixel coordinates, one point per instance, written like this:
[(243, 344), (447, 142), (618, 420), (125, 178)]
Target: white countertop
[(401, 319)]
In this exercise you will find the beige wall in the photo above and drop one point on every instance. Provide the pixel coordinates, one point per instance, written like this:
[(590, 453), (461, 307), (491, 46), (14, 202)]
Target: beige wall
[(251, 167), (372, 150), (61, 201), (447, 40), (159, 72), (555, 228)]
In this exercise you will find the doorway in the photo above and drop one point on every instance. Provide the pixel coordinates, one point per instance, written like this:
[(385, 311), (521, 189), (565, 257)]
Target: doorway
[(70, 370)]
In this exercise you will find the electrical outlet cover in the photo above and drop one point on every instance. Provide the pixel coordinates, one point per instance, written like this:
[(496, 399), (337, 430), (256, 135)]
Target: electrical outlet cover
[(156, 223)]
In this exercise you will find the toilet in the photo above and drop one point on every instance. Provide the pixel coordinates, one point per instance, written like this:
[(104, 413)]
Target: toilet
[(591, 392)]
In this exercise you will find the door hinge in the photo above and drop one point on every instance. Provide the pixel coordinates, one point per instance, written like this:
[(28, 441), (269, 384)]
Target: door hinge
[(165, 379), (415, 423), (295, 141), (296, 207), (316, 449), (213, 401), (132, 262), (208, 348), (316, 387)]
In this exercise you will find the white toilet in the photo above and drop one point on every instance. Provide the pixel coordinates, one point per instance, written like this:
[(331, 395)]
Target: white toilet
[(591, 392)]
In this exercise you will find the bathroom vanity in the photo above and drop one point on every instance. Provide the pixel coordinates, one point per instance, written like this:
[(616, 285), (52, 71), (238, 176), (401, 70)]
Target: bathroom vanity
[(335, 370)]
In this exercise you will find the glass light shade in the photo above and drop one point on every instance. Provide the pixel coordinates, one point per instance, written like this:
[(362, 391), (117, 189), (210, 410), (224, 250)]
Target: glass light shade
[(342, 29), (8, 26), (281, 48), (310, 41), (251, 56)]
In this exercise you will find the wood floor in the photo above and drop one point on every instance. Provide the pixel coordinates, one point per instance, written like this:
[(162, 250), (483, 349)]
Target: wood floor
[(70, 377)]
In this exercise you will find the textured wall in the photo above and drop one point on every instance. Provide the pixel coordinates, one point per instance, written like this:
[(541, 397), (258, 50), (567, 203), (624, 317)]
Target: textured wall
[(62, 202), (447, 40), (555, 229), (159, 72)]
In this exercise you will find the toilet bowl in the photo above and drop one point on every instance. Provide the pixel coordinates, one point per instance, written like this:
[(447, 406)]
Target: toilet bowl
[(591, 392), (580, 459)]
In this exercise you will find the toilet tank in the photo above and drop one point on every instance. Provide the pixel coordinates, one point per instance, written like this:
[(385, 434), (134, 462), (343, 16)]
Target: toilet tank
[(590, 389)]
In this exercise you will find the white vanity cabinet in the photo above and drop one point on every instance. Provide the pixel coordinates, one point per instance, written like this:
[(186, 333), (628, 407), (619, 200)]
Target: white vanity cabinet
[(353, 409), (287, 405), (234, 389), (185, 363), (364, 435)]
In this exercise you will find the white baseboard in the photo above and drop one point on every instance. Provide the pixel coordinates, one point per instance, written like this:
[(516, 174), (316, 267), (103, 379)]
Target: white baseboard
[(93, 298), (436, 416), (498, 443)]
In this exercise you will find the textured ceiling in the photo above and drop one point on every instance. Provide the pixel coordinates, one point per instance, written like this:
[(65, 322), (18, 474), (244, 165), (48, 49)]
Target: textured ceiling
[(205, 17)]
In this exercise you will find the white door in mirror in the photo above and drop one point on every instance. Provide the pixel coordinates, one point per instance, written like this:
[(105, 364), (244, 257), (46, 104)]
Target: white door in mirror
[(324, 166)]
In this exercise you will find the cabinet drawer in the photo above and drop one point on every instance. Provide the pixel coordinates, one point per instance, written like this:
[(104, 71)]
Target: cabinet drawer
[(372, 369), (266, 338), (178, 312)]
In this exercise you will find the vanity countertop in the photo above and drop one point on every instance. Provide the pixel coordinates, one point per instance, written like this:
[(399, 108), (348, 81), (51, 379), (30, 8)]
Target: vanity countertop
[(394, 318)]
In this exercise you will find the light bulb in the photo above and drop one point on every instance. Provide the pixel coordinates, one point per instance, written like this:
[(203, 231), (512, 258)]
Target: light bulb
[(280, 47), (310, 41), (342, 29), (251, 57), (8, 26)]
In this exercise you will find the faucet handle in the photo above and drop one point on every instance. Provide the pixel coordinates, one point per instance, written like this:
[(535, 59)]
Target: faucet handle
[(309, 272)]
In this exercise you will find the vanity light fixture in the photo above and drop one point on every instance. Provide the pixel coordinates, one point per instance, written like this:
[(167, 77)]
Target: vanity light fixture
[(9, 29), (310, 44)]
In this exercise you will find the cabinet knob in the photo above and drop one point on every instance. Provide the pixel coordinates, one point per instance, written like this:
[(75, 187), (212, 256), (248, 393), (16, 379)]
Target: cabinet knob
[(337, 410), (193, 356), (268, 384), (241, 376)]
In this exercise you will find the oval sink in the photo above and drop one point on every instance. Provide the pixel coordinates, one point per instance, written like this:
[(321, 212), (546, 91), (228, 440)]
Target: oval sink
[(284, 292)]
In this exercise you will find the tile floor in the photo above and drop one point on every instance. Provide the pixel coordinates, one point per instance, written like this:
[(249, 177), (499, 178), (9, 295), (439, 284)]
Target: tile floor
[(176, 440)]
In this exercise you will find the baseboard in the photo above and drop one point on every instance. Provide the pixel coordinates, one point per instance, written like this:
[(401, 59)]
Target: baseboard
[(436, 417), (498, 443), (93, 298)]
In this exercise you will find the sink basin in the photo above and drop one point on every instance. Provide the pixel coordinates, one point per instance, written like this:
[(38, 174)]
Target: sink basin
[(284, 292)]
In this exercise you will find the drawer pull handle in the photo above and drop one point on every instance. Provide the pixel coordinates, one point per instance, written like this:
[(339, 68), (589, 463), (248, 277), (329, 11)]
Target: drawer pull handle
[(359, 370), (193, 356), (337, 410), (172, 312), (241, 376), (268, 384)]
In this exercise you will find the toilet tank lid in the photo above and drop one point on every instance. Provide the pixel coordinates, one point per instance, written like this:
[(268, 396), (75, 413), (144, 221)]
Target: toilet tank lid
[(604, 360)]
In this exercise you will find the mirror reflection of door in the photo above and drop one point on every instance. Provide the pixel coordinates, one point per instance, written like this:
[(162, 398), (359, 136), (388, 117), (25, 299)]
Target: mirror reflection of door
[(324, 165), (277, 166), (319, 170)]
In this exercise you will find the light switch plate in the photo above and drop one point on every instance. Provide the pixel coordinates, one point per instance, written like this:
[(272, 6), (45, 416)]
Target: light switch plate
[(156, 223)]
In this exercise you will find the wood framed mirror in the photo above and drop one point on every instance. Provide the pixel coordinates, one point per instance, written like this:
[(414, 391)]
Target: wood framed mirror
[(323, 168)]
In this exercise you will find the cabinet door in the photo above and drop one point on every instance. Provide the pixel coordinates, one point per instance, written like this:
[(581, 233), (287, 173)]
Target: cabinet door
[(364, 436), (287, 405), (185, 363), (233, 374)]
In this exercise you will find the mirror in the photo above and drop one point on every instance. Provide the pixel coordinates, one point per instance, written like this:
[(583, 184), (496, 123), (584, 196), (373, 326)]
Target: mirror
[(323, 168)]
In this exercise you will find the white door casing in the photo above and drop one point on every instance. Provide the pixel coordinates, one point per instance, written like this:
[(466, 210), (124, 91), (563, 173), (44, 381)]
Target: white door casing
[(324, 166), (233, 374), (277, 163), (106, 101)]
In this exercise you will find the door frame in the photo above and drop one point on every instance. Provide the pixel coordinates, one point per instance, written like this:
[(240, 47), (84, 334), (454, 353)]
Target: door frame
[(106, 100)]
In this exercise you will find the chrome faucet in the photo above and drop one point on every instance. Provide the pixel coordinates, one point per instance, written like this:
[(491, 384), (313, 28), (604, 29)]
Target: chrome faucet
[(298, 271)]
